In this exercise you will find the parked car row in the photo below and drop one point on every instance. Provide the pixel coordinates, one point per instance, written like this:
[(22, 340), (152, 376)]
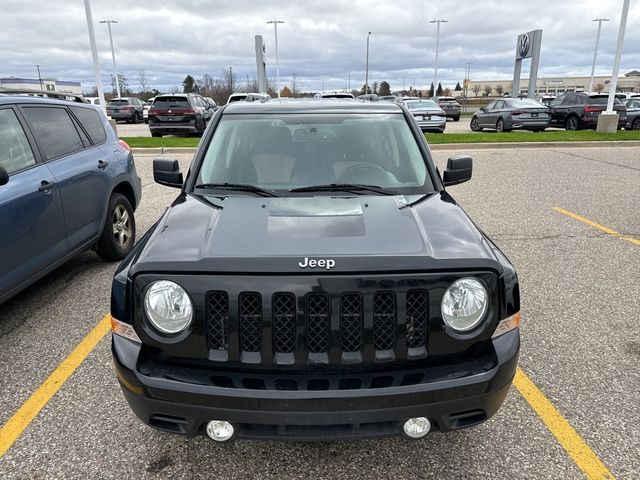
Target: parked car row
[(571, 111)]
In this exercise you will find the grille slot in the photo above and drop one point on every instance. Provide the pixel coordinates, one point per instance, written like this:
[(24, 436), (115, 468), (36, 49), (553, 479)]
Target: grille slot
[(250, 314), (351, 322), (317, 316), (284, 322), (218, 313), (417, 310), (384, 320)]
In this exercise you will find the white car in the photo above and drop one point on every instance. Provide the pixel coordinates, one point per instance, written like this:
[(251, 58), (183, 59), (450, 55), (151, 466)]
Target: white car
[(145, 109)]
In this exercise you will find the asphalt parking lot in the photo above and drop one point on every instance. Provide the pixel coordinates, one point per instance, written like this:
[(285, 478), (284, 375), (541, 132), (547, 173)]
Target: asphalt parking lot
[(581, 348)]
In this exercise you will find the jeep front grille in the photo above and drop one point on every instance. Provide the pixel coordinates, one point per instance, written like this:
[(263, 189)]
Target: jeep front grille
[(319, 327)]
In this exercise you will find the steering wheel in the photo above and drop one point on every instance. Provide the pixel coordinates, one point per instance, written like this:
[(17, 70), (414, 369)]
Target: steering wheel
[(365, 173)]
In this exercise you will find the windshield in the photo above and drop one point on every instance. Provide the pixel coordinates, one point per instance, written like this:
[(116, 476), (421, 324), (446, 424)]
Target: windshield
[(525, 103), (171, 102), (422, 105), (286, 151)]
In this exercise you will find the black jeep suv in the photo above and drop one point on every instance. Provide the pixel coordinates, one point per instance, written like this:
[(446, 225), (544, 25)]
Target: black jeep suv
[(314, 280)]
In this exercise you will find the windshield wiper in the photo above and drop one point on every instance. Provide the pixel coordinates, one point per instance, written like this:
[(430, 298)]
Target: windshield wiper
[(239, 187), (345, 187)]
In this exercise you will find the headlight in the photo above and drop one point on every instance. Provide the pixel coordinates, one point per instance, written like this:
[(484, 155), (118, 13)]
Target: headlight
[(464, 304), (168, 306)]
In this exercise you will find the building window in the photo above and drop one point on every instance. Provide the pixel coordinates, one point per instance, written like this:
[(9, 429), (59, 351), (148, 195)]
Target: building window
[(50, 88)]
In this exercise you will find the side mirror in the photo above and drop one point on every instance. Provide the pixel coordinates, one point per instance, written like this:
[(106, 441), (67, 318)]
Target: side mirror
[(458, 170), (4, 176), (166, 171)]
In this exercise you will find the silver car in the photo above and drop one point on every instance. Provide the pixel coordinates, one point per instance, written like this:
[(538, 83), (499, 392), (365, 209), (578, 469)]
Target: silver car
[(508, 114), (430, 117), (633, 113)]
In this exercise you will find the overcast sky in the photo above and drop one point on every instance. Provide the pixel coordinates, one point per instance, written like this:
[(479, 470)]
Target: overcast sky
[(321, 39)]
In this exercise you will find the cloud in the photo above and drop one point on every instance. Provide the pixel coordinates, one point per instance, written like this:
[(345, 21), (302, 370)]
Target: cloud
[(322, 40)]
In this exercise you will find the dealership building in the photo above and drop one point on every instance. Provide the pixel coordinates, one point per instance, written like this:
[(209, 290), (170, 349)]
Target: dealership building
[(630, 82), (48, 84)]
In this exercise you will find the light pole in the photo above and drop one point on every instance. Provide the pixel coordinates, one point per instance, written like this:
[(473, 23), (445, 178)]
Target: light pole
[(613, 85), (113, 55), (39, 77), (366, 68), (435, 73), (94, 54), (595, 52), (275, 28)]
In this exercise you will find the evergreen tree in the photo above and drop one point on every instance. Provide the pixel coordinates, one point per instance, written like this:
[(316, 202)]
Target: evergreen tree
[(189, 85), (458, 87), (384, 89), (431, 90), (439, 91)]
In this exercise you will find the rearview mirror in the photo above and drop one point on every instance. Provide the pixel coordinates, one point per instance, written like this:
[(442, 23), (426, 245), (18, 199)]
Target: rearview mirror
[(4, 176), (166, 171), (458, 170)]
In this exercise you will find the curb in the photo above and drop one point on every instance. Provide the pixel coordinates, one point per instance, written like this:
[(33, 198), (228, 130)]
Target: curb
[(446, 146)]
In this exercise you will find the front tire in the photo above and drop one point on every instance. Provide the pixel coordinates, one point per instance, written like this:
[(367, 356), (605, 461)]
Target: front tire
[(119, 233), (474, 125), (636, 124), (571, 124), (456, 119), (500, 126)]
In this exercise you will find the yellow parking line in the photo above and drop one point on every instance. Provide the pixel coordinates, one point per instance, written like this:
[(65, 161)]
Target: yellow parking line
[(577, 449), (593, 224), (14, 427)]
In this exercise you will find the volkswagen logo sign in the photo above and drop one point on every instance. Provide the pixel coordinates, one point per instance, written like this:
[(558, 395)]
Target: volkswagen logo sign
[(523, 45)]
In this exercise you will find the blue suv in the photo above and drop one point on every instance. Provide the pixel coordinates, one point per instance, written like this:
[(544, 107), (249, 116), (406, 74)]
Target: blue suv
[(66, 184)]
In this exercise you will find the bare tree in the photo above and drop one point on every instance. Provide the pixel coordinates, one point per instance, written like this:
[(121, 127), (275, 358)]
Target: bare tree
[(294, 87), (142, 80), (476, 89), (499, 89), (447, 92), (599, 87), (229, 80), (488, 89)]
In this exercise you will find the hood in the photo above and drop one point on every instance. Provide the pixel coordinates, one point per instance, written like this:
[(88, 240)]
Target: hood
[(312, 234)]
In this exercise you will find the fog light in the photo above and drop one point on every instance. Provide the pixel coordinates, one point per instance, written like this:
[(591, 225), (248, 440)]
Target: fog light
[(220, 431), (416, 427)]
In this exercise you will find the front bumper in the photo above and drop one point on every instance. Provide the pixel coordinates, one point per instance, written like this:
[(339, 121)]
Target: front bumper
[(185, 408)]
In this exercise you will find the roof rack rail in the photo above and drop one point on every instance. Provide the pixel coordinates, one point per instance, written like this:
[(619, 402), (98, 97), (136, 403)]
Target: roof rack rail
[(45, 94)]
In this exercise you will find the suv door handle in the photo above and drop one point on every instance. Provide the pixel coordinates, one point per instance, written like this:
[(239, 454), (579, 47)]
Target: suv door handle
[(46, 186), (102, 164)]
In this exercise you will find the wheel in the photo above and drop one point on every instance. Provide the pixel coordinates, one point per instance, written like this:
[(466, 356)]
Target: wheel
[(636, 124), (571, 123), (119, 233), (500, 126), (456, 119), (475, 126), (136, 117), (156, 135)]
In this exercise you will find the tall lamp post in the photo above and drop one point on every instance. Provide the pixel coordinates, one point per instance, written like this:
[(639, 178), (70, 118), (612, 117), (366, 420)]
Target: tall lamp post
[(94, 54), (275, 28), (39, 77), (230, 78), (366, 68), (595, 52), (113, 55), (435, 73)]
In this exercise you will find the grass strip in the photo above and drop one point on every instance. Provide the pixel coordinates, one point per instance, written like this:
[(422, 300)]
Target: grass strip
[(526, 136), (434, 138)]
